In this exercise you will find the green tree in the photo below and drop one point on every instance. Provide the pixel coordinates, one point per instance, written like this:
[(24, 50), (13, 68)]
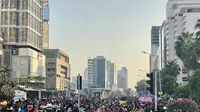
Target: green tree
[(128, 91), (184, 47), (141, 87), (194, 84), (35, 81), (169, 76), (182, 92), (7, 86), (187, 49), (197, 26)]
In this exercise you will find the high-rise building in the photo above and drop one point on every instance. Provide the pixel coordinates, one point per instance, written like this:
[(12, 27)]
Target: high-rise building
[(73, 83), (46, 24), (92, 73), (181, 16), (45, 35), (22, 23), (22, 27), (57, 69), (86, 74), (122, 78), (101, 73), (154, 45), (111, 74), (46, 10)]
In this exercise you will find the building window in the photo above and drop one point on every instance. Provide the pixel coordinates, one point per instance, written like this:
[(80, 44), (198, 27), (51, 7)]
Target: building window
[(51, 64), (184, 71), (180, 14), (50, 69), (189, 10)]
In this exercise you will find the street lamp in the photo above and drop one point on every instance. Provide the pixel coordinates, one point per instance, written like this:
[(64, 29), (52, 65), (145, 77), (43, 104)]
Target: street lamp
[(156, 98), (142, 70)]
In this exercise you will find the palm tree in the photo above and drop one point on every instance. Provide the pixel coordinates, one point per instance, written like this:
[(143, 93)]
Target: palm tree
[(197, 39), (169, 76), (7, 86), (173, 68), (197, 26), (185, 50)]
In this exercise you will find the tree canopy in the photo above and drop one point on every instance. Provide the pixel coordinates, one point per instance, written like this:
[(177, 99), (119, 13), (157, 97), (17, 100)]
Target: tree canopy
[(7, 85), (169, 77)]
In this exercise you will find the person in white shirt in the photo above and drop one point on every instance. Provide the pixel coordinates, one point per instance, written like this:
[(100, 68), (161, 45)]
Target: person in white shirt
[(49, 107)]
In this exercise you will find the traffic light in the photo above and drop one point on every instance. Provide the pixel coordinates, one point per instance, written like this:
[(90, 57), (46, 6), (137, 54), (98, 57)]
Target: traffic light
[(150, 83), (79, 82)]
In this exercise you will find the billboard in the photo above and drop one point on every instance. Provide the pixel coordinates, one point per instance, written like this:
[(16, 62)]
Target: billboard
[(46, 10)]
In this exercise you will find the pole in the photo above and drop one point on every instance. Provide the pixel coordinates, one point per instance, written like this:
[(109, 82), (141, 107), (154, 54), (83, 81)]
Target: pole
[(79, 99), (156, 98), (18, 70), (160, 85), (79, 88)]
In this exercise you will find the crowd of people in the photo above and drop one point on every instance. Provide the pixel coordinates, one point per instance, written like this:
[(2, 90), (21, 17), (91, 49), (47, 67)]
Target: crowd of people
[(124, 104)]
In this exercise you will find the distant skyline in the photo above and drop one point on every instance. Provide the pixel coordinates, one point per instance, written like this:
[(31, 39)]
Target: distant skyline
[(116, 29)]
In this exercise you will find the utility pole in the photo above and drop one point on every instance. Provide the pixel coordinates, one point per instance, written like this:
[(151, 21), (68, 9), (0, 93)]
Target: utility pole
[(79, 87), (156, 98)]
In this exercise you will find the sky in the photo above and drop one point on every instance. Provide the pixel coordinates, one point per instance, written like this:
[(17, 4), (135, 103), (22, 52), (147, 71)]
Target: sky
[(116, 29)]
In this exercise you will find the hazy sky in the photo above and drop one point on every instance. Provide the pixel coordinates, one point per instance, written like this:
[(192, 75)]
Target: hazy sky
[(116, 29)]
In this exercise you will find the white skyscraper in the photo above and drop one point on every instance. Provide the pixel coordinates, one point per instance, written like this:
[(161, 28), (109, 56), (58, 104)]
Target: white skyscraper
[(181, 16), (111, 74), (154, 46)]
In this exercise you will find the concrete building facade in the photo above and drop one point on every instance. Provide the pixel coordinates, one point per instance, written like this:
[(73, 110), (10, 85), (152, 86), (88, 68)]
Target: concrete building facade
[(154, 45), (45, 35), (45, 24), (111, 74), (22, 23), (122, 78), (101, 72), (86, 74), (57, 69), (181, 16), (22, 27), (92, 74), (26, 61)]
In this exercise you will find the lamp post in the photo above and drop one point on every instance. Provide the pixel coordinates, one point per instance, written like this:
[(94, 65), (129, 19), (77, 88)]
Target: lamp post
[(155, 96)]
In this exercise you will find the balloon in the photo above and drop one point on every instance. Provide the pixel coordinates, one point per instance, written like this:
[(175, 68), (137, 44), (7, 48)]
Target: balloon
[(4, 104)]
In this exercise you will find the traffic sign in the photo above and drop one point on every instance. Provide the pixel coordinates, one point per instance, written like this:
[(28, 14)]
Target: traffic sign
[(160, 93)]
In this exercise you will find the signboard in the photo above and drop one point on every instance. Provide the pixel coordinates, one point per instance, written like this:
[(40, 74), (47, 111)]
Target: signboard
[(19, 95), (185, 78), (145, 99), (15, 51)]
